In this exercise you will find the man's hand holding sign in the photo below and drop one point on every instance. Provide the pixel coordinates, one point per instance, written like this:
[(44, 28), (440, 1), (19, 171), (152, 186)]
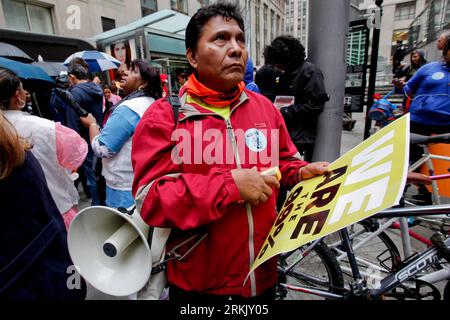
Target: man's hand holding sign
[(256, 187), (364, 181)]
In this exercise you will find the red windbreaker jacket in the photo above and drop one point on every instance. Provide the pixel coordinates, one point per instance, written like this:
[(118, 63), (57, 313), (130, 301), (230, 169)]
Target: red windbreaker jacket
[(183, 181)]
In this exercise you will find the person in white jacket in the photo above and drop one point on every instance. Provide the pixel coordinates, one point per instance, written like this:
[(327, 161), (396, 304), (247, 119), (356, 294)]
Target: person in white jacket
[(59, 150)]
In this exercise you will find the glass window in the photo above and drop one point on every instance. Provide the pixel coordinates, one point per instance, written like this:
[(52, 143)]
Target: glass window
[(272, 24), (108, 24), (179, 5), (266, 35), (40, 19), (278, 26), (405, 11), (447, 14), (23, 16), (148, 7), (16, 15)]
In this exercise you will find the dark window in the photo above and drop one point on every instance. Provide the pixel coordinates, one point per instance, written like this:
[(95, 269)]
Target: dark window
[(108, 24), (179, 5), (405, 11), (148, 7)]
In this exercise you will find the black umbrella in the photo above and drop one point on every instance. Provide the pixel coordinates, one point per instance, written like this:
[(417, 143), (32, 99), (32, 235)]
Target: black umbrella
[(52, 68), (12, 52)]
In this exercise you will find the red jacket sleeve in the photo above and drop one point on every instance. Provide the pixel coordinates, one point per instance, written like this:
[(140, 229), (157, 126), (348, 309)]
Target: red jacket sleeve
[(165, 196)]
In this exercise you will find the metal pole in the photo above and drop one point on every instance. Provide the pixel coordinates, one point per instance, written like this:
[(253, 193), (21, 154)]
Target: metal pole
[(372, 75), (328, 27)]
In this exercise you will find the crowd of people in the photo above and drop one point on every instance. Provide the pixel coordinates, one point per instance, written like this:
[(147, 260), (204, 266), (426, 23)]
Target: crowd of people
[(126, 150)]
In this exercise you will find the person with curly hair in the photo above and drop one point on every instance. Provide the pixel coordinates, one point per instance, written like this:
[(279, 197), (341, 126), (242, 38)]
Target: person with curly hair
[(305, 82)]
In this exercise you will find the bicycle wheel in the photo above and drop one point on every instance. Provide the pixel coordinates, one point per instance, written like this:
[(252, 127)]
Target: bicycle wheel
[(447, 292), (375, 257), (318, 270)]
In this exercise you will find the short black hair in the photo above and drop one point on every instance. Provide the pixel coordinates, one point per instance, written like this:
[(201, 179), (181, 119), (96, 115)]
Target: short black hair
[(150, 75), (78, 68), (203, 15), (285, 51)]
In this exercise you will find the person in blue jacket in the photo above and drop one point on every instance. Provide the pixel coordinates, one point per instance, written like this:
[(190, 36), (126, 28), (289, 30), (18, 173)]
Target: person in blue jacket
[(430, 108), (248, 78)]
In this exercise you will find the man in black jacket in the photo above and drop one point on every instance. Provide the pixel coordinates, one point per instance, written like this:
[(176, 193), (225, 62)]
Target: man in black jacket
[(305, 82)]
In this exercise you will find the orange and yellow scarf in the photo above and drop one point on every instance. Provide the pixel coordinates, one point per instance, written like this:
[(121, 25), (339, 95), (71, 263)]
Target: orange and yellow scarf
[(196, 89)]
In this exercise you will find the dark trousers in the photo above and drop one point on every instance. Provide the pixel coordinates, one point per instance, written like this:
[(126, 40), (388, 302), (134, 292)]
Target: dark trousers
[(179, 295), (416, 151)]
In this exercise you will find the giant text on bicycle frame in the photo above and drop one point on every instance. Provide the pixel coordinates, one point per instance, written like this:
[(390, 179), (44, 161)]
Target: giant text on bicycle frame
[(364, 181)]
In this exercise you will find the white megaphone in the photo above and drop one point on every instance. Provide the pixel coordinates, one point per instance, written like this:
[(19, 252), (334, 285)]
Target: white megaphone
[(110, 249)]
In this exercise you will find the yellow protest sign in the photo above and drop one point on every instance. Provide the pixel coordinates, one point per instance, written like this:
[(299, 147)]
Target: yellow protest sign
[(369, 178)]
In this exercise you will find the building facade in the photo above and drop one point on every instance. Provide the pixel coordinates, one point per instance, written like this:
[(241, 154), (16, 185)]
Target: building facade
[(397, 16), (71, 18), (264, 21), (188, 7), (426, 27), (297, 18)]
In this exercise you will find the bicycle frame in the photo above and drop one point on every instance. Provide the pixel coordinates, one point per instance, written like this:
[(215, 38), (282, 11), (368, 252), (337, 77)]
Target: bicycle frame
[(420, 262), (427, 158), (416, 265), (389, 224)]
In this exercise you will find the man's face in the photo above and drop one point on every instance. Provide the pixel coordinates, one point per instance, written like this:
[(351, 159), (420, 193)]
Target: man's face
[(441, 42), (220, 56)]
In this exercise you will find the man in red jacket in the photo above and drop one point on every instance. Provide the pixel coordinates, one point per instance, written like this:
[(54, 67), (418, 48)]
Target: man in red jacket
[(204, 177)]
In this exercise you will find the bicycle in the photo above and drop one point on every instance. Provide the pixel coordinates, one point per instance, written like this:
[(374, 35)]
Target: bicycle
[(396, 278), (374, 249)]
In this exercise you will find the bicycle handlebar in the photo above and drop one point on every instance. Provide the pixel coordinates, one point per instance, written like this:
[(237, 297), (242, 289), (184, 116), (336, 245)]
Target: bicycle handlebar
[(440, 177), (414, 211), (419, 139)]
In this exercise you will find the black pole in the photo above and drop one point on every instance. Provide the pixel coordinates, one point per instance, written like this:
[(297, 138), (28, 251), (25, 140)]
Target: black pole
[(373, 72)]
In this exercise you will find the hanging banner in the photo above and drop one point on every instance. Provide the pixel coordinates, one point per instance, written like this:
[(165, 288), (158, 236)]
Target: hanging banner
[(367, 179)]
